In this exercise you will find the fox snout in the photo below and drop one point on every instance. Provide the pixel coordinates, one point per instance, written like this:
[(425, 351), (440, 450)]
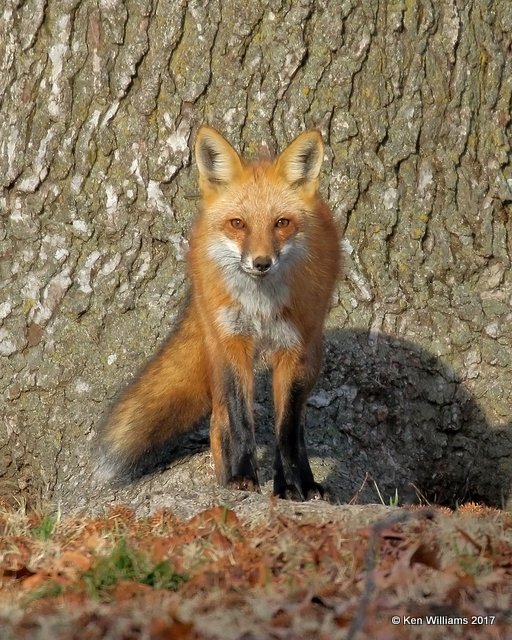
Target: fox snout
[(262, 264), (258, 266)]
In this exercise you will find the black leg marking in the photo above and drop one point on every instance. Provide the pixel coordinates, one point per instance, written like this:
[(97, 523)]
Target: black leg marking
[(225, 443), (242, 462), (293, 478)]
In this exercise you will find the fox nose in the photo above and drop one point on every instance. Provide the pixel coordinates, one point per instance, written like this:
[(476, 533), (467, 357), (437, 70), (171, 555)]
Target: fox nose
[(262, 263)]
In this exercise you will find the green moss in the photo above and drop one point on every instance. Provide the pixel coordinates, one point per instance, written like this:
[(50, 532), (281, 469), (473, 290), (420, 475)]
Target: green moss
[(45, 528), (126, 563)]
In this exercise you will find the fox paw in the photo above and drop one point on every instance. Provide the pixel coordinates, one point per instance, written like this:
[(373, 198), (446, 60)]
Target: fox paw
[(241, 483), (314, 491)]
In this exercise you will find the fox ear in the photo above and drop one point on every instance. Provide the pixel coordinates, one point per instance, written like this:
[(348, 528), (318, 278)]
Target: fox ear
[(300, 163), (218, 163)]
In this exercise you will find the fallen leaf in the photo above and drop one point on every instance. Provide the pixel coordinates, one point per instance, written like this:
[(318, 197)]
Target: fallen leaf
[(426, 555), (72, 561), (128, 589), (175, 630), (34, 581)]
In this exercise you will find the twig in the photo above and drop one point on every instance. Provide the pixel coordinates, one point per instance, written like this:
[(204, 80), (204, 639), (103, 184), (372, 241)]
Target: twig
[(420, 495), (355, 497), (370, 562), (378, 492)]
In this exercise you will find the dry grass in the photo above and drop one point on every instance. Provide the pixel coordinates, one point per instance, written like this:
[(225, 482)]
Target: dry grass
[(288, 577)]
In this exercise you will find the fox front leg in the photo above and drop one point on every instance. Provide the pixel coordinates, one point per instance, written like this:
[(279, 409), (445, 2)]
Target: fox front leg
[(232, 429), (293, 478)]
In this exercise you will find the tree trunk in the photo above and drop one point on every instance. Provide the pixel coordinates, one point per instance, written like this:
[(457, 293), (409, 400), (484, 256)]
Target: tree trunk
[(100, 102)]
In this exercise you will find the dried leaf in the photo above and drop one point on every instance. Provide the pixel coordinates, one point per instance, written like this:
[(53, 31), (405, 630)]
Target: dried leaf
[(128, 589), (426, 555), (175, 630), (34, 581), (72, 561)]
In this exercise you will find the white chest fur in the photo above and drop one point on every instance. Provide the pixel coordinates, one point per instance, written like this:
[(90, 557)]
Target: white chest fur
[(270, 332)]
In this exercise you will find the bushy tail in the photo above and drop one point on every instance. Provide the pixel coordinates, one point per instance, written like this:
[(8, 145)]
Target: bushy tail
[(167, 399)]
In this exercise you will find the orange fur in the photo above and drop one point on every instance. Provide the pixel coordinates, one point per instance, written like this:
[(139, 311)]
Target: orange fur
[(263, 263)]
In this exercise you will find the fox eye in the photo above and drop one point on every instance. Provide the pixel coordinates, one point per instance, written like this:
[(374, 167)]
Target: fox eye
[(282, 222), (236, 223)]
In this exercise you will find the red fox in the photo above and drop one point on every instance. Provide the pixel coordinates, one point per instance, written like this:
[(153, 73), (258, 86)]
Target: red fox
[(263, 263)]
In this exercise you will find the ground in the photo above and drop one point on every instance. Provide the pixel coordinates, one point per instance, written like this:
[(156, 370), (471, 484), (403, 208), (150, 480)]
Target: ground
[(297, 571)]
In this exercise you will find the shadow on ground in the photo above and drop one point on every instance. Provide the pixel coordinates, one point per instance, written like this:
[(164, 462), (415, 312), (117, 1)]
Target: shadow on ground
[(387, 421), (400, 422)]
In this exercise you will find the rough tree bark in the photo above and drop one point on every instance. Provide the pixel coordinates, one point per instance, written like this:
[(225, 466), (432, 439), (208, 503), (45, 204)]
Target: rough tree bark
[(99, 103)]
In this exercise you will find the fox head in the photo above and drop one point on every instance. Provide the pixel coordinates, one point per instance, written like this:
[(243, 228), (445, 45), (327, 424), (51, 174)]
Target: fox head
[(257, 216)]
